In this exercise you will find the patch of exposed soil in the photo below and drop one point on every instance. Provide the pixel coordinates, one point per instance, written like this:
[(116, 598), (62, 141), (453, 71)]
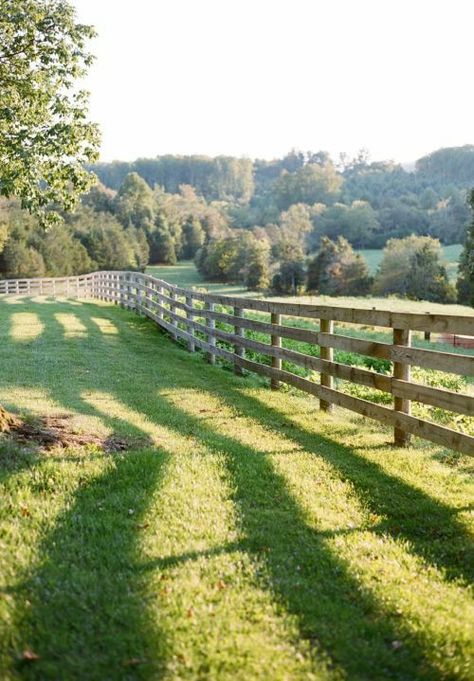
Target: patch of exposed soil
[(50, 432), (8, 421)]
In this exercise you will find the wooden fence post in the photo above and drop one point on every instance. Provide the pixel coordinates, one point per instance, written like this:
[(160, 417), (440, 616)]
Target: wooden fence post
[(211, 339), (401, 371), (128, 289), (326, 326), (174, 323), (276, 343), (238, 349), (159, 290), (139, 294), (124, 290), (189, 326)]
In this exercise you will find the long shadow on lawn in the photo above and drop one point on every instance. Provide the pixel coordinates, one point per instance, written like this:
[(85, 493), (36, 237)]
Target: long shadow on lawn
[(86, 618), (332, 610), (86, 612), (430, 526), (339, 619)]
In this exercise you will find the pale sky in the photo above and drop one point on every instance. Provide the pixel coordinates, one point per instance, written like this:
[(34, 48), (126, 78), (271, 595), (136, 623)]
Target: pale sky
[(258, 77)]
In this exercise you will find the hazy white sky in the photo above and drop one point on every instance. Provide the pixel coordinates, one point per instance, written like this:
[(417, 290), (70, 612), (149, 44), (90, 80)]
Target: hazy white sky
[(258, 77)]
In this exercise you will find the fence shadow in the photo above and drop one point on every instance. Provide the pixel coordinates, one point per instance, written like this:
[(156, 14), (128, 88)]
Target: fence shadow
[(411, 514), (334, 613)]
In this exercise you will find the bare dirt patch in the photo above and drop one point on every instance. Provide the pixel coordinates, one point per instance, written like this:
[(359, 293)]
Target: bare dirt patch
[(8, 421), (50, 432)]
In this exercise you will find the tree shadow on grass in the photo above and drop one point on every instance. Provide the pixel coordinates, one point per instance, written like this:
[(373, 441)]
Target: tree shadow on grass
[(431, 527), (86, 615), (343, 623), (333, 612), (85, 610)]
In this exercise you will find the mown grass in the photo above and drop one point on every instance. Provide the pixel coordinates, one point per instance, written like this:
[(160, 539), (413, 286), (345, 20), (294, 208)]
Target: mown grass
[(185, 274), (246, 536)]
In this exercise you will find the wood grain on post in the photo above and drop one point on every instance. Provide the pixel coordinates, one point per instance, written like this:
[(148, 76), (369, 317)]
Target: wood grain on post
[(276, 343), (326, 353), (211, 339), (401, 372), (239, 350), (189, 326)]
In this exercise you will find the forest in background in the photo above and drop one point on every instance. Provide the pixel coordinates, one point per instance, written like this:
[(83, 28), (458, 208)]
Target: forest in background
[(287, 225)]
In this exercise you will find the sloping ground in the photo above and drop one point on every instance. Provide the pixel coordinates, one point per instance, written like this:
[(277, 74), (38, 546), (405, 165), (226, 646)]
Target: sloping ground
[(243, 535)]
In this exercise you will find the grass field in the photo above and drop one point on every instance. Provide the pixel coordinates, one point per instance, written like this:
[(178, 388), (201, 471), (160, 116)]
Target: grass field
[(242, 534), (186, 275), (451, 256)]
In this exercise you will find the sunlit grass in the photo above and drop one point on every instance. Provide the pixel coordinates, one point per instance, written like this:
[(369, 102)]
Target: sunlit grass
[(246, 536), (72, 325), (105, 325), (25, 326)]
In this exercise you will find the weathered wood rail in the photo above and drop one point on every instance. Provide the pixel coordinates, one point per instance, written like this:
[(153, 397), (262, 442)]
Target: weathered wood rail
[(192, 316)]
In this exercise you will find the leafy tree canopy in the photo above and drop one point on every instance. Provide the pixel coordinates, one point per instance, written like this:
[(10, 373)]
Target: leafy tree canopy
[(465, 283), (413, 267), (45, 138), (338, 270)]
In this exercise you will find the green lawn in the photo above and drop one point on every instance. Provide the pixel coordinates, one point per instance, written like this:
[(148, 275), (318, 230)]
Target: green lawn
[(243, 535), (185, 274)]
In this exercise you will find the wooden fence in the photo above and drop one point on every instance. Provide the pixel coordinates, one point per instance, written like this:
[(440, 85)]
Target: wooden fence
[(192, 315), (78, 287)]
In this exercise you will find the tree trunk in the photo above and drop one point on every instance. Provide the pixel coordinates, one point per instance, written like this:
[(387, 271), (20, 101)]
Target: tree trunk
[(7, 421)]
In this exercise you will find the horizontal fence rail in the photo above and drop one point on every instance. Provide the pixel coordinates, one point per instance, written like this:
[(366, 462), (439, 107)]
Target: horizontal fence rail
[(219, 325)]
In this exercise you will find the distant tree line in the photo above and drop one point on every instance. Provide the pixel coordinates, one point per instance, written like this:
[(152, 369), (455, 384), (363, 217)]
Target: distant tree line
[(365, 202), (286, 226), (109, 230)]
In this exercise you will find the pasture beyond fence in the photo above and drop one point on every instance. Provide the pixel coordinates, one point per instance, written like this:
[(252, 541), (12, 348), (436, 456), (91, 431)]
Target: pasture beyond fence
[(192, 315)]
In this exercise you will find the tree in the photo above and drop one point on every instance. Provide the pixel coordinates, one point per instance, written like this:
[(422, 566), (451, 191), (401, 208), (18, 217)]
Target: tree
[(452, 164), (337, 270), (451, 218), (162, 247), (63, 255), (45, 138), (257, 267), (296, 223), (193, 238), (357, 222), (100, 198), (21, 260), (312, 183), (135, 203), (291, 274), (412, 267), (107, 243), (427, 278), (465, 283)]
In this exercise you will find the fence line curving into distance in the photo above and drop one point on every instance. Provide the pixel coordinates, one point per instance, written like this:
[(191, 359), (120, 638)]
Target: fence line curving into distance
[(191, 316)]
